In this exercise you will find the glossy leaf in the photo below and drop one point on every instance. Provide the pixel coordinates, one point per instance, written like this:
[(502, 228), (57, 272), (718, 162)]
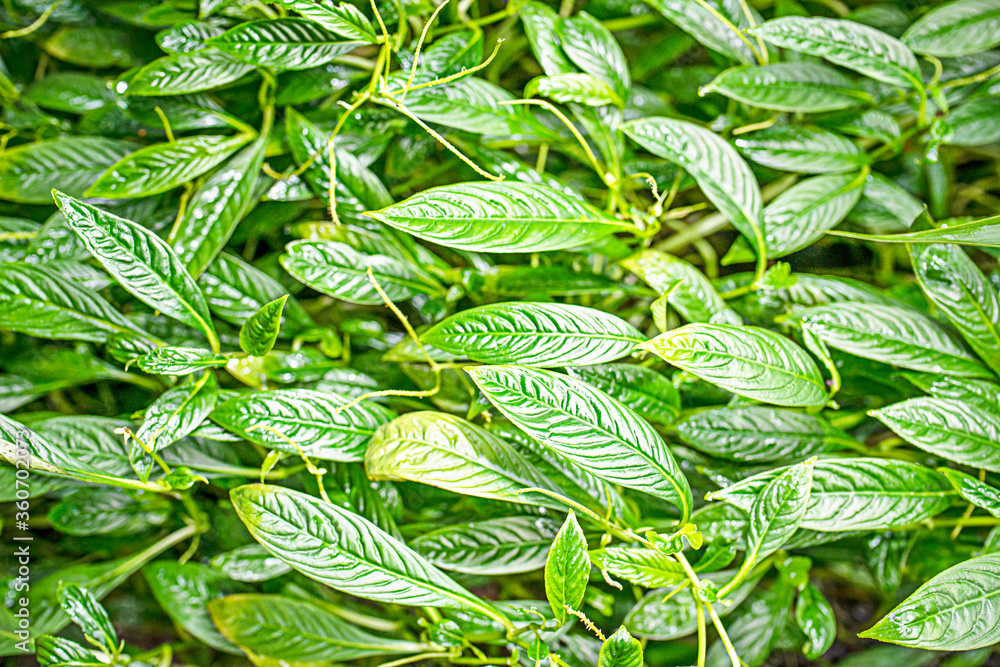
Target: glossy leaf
[(777, 512), (573, 87), (286, 43), (502, 546), (592, 48), (649, 393), (172, 416), (694, 298), (260, 332), (985, 232), (801, 149), (186, 73), (88, 613), (642, 566), (567, 568), (802, 87), (620, 650), (28, 172), (704, 25), (959, 28), (815, 618)]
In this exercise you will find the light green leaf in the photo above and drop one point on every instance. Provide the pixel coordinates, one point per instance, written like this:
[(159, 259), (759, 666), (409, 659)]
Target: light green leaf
[(292, 631), (694, 298), (716, 166), (87, 612), (501, 546), (815, 618), (172, 416), (620, 650), (258, 335), (799, 215), (758, 434), (954, 611), (588, 427), (573, 87), (343, 19), (704, 25), (451, 453), (954, 29), (748, 361), (776, 513), (186, 73), (592, 48), (974, 123), (217, 207), (250, 563), (985, 232), (162, 167), (891, 335), (173, 360), (282, 44), (848, 44), (500, 217), (974, 491), (534, 334), (142, 263), (346, 552), (641, 566), (642, 389), (798, 87), (858, 494), (28, 172), (567, 569), (948, 428), (802, 149), (540, 26), (310, 419)]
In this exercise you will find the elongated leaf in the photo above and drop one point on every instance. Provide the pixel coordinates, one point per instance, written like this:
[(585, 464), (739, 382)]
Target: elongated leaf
[(171, 360), (28, 172), (282, 43), (341, 271), (971, 489), (344, 551), (506, 545), (588, 427), (649, 393), (171, 417), (500, 217), (799, 215), (41, 302), (540, 27), (951, 429), (985, 232), (748, 361), (777, 512), (87, 612), (573, 87), (186, 73), (566, 569), (804, 87), (639, 565), (694, 298), (592, 48), (972, 124), (162, 167), (954, 611), (956, 285), (858, 494), (297, 631), (450, 453), (258, 335), (704, 25), (802, 149), (309, 418), (885, 207), (959, 28), (815, 618), (848, 44), (217, 207), (891, 335), (756, 434), (534, 334), (249, 563), (716, 166), (620, 650)]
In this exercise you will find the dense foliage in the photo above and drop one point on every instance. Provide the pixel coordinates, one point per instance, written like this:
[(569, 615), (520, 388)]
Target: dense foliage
[(487, 333)]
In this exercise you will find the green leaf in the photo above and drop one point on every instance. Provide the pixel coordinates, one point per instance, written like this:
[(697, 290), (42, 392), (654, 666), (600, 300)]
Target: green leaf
[(641, 566), (217, 207), (171, 360), (343, 19), (186, 73), (974, 491), (592, 48), (310, 419), (258, 335), (649, 393), (797, 87), (292, 631), (974, 123), (42, 302), (858, 494), (162, 167), (534, 334), (188, 37), (776, 513), (93, 46), (55, 651), (954, 29), (954, 611), (281, 44), (346, 552), (704, 25), (540, 27), (87, 612), (620, 650), (501, 546), (588, 427), (574, 87), (107, 511), (142, 263), (985, 232), (500, 217), (567, 569), (694, 298), (748, 361), (815, 618), (948, 428), (799, 215), (757, 434), (848, 44), (715, 165), (960, 290), (450, 453), (891, 335), (172, 416), (70, 92), (802, 149), (27, 172), (249, 563)]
